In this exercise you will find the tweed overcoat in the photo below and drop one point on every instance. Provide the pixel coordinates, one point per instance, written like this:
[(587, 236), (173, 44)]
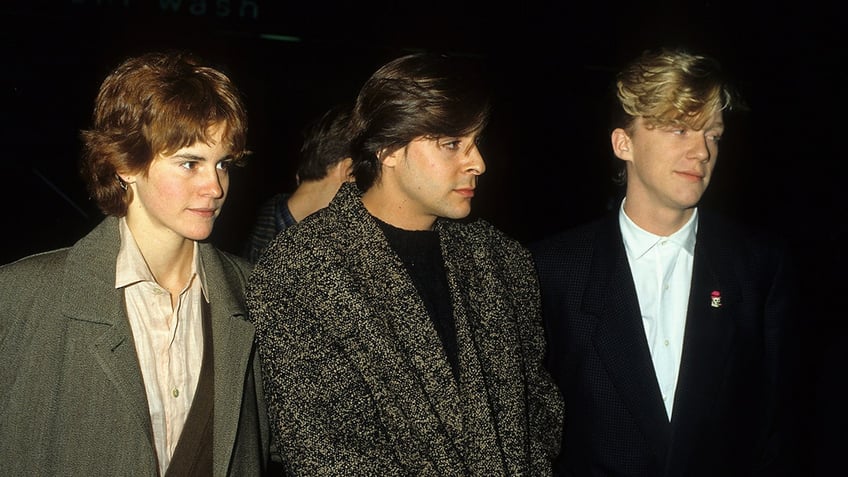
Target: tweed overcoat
[(356, 377), (72, 398), (734, 412)]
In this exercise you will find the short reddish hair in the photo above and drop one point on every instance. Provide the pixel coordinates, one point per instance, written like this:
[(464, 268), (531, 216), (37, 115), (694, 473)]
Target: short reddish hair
[(151, 104)]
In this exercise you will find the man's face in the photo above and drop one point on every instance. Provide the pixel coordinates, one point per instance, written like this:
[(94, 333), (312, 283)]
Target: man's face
[(430, 178), (669, 167)]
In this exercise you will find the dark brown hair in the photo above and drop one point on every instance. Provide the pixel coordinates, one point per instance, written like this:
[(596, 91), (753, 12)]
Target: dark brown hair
[(419, 95)]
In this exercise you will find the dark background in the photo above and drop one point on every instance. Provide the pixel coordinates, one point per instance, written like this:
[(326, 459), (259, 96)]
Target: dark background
[(547, 149)]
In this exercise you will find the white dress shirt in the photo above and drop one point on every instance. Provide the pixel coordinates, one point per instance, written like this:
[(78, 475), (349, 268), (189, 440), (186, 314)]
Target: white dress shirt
[(662, 273)]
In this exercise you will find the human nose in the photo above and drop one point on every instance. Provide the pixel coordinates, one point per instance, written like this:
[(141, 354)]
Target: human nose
[(215, 184), (701, 149), (476, 164)]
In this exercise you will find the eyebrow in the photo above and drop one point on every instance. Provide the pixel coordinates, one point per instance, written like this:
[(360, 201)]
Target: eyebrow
[(195, 157), (186, 155)]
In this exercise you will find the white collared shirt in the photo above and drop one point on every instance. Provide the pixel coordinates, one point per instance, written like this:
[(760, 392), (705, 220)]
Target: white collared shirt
[(662, 272), (168, 340)]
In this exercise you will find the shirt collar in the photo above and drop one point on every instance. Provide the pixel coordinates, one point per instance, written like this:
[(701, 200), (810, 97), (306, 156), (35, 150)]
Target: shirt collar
[(131, 267), (638, 241)]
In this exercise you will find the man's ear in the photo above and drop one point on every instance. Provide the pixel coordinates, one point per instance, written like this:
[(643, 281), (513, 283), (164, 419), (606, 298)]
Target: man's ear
[(390, 160), (343, 170), (621, 144)]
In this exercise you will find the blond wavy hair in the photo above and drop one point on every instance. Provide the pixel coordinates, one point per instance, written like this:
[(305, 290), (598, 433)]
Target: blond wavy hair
[(669, 87)]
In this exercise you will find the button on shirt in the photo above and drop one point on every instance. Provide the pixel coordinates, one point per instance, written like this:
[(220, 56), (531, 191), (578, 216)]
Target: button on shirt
[(662, 272), (168, 340)]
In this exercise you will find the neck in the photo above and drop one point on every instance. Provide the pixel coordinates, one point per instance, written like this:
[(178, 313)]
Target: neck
[(168, 257), (662, 221), (399, 213), (310, 196)]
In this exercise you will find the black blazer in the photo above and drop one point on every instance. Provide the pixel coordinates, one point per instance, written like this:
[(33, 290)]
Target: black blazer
[(733, 412)]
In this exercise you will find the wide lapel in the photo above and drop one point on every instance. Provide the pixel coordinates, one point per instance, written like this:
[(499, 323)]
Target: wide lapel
[(232, 347), (708, 336), (385, 329), (491, 384), (91, 299), (619, 338), (411, 328)]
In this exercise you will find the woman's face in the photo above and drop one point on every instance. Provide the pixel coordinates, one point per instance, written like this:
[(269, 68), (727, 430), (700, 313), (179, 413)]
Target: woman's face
[(182, 194)]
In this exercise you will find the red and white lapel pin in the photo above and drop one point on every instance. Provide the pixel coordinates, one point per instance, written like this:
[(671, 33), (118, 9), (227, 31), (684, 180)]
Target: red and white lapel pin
[(715, 299)]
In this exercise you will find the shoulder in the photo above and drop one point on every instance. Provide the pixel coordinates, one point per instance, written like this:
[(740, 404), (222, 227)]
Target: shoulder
[(578, 237), (36, 277), (315, 234), (234, 262), (481, 234), (90, 254), (715, 223), (747, 241), (485, 247), (319, 241), (477, 230), (36, 266), (231, 267)]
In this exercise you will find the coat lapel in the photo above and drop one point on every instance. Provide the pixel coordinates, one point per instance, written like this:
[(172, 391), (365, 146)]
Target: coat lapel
[(410, 329), (707, 339), (385, 329), (620, 337), (474, 312), (90, 298), (232, 338), (93, 302)]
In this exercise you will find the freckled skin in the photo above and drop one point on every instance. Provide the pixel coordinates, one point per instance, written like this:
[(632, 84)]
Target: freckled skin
[(182, 194)]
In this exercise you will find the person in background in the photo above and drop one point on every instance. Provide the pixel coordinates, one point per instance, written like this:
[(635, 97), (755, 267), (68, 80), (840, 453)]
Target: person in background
[(671, 329), (397, 336), (129, 353), (324, 166)]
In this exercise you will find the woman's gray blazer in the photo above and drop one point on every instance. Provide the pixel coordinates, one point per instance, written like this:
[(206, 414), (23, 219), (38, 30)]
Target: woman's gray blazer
[(72, 398)]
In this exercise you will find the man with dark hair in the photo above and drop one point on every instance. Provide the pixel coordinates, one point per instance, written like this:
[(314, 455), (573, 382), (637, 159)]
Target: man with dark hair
[(397, 338)]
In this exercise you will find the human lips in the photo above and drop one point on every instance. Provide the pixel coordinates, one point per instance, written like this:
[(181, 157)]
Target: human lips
[(204, 212), (693, 176), (465, 192)]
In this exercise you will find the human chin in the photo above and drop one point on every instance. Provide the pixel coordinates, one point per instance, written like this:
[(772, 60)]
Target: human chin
[(691, 198), (199, 230), (459, 212)]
